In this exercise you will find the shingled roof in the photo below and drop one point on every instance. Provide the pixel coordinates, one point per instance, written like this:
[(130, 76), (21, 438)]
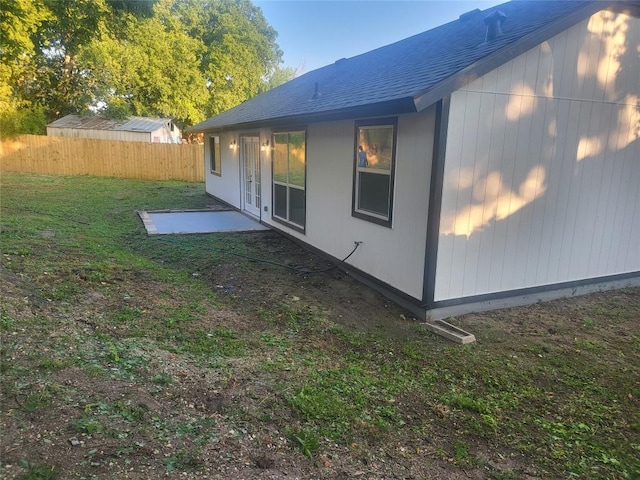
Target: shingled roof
[(409, 75)]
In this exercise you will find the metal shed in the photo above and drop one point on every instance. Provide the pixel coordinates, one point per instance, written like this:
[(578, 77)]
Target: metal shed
[(133, 129)]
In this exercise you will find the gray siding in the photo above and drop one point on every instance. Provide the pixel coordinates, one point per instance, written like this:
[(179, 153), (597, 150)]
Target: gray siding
[(225, 186), (542, 178), (393, 255)]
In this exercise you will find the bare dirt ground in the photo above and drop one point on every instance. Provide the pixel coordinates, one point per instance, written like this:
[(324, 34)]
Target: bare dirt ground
[(113, 372)]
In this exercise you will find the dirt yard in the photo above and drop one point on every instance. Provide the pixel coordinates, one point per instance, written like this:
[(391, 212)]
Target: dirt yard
[(130, 357)]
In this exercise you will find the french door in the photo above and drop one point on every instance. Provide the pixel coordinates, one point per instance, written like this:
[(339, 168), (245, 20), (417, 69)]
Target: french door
[(250, 164)]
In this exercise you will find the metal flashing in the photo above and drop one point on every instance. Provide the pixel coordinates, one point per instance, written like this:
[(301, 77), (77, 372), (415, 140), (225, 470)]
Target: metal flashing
[(505, 294), (523, 297)]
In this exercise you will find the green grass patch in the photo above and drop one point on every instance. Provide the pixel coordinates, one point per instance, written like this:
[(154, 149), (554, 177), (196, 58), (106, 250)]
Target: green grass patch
[(124, 322), (335, 399), (34, 401), (39, 472), (87, 424), (6, 321), (308, 442), (125, 411)]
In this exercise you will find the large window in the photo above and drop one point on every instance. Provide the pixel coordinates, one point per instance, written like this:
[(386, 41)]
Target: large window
[(289, 171), (214, 155), (374, 163)]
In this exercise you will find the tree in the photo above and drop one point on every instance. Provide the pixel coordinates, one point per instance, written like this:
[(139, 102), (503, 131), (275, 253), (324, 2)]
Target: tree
[(152, 70), (185, 59), (62, 84), (239, 53), (278, 77), (19, 20)]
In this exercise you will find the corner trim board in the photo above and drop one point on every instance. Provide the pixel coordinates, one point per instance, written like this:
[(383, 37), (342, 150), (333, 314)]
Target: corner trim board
[(435, 200)]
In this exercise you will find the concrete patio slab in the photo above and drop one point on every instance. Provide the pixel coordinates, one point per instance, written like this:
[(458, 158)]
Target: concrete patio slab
[(200, 221)]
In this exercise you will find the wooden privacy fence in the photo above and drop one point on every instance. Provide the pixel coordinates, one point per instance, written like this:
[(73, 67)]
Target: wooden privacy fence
[(103, 158)]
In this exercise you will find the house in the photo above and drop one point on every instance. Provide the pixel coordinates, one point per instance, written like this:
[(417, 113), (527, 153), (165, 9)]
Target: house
[(132, 129), (491, 161)]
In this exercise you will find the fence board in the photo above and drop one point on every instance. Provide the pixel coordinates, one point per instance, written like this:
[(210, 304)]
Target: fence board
[(103, 158)]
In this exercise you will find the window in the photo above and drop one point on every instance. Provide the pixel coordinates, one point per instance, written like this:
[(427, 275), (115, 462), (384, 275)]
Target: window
[(289, 171), (374, 165), (214, 155)]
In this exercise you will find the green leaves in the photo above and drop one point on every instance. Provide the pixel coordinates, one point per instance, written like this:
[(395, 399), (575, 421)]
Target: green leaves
[(149, 70), (184, 59), (19, 20)]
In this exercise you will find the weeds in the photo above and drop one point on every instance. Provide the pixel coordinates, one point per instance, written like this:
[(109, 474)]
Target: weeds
[(125, 411), (337, 398), (162, 379), (6, 321), (34, 401), (127, 314), (39, 472), (307, 442), (461, 452), (184, 459), (88, 425), (141, 366), (219, 342)]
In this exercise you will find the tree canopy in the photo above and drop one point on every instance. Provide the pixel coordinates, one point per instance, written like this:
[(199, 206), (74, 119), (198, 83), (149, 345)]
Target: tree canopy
[(184, 59)]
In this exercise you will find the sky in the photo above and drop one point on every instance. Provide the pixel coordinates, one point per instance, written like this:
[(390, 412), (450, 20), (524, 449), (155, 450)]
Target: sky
[(315, 33)]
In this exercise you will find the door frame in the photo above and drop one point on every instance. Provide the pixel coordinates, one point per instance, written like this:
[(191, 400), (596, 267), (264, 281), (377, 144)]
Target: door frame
[(254, 206)]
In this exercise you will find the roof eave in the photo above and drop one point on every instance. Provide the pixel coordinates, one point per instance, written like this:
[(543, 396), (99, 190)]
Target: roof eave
[(378, 109), (431, 95)]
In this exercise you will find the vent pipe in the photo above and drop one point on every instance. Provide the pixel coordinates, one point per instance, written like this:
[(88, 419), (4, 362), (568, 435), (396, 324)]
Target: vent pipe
[(494, 21), (316, 93)]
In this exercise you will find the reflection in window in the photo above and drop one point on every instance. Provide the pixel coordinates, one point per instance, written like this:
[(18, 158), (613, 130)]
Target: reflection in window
[(289, 182), (214, 155), (374, 164)]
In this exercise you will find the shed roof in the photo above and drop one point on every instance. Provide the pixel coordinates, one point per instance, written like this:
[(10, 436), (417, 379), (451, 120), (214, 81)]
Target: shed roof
[(412, 74), (90, 122)]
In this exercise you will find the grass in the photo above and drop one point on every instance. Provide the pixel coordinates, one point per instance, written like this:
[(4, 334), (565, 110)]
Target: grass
[(109, 336), (307, 442), (39, 472)]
